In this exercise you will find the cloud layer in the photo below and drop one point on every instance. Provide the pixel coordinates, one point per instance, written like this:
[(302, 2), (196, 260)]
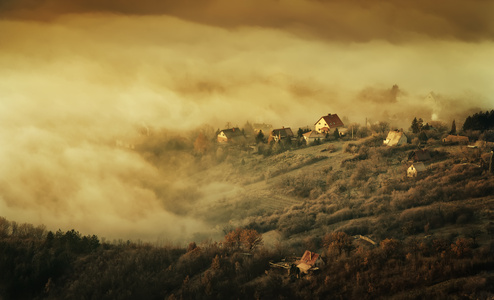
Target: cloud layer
[(75, 76), (353, 20)]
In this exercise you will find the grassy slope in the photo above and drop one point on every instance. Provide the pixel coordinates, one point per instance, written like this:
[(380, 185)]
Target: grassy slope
[(253, 188)]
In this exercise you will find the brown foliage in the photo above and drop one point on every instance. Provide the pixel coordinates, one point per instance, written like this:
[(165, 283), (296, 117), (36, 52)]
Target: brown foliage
[(338, 241), (249, 239), (462, 247), (390, 247)]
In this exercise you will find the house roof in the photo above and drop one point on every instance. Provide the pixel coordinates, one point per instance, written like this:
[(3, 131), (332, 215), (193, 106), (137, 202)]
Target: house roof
[(313, 134), (309, 258), (282, 132), (232, 132), (394, 137), (420, 167), (332, 120)]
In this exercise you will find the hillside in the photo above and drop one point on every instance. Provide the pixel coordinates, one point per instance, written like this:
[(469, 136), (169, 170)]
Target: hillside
[(360, 182), (433, 234)]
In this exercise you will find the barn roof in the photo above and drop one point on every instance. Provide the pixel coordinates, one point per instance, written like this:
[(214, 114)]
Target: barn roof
[(309, 258)]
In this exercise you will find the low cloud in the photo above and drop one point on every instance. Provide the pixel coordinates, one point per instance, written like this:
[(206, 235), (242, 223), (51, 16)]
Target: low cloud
[(93, 73), (382, 96)]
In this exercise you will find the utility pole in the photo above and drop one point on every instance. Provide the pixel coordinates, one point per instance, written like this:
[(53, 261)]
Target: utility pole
[(491, 163)]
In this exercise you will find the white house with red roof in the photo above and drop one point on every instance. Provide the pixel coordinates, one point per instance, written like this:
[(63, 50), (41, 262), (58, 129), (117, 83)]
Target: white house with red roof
[(328, 123)]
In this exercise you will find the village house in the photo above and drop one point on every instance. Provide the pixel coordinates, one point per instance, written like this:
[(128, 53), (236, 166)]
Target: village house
[(419, 155), (395, 138), (416, 169), (230, 135), (310, 261), (312, 136), (456, 139), (280, 134), (328, 123)]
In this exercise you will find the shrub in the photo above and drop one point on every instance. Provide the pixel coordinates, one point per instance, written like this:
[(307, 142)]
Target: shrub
[(462, 247), (338, 241), (351, 148)]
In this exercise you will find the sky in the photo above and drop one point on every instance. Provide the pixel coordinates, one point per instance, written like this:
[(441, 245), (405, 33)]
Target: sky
[(76, 75)]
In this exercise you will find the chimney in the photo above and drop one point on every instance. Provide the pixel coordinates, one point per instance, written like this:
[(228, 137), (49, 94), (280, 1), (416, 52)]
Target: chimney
[(329, 114)]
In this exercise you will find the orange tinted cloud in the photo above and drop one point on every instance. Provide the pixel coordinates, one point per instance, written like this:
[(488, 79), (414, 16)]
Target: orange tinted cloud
[(72, 84), (354, 20)]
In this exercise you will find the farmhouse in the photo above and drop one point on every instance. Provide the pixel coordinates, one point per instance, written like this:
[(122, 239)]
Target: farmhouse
[(312, 136), (328, 123), (309, 261), (456, 139), (395, 138), (230, 135), (415, 169), (280, 134)]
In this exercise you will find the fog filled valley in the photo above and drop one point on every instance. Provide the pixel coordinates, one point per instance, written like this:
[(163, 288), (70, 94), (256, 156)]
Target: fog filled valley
[(219, 223), (288, 149)]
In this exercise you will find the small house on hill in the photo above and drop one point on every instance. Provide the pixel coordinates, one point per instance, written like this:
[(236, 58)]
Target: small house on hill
[(328, 123), (280, 134), (312, 136), (309, 261), (456, 139), (230, 135), (395, 138), (415, 169), (419, 155)]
